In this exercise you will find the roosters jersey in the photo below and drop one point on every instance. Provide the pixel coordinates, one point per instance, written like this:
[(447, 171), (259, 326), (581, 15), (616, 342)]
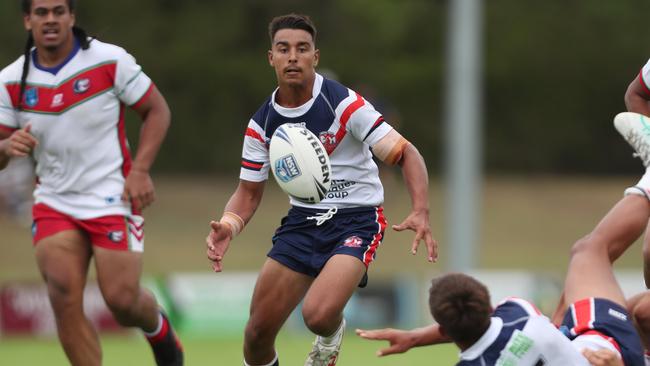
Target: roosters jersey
[(347, 125), (77, 115), (520, 336)]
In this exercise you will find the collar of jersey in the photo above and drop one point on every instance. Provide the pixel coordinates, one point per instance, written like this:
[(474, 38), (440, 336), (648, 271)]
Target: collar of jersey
[(485, 341), (55, 69), (300, 110)]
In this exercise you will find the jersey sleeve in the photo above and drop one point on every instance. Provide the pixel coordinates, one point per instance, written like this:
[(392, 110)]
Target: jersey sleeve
[(8, 120), (132, 85), (255, 163), (364, 122)]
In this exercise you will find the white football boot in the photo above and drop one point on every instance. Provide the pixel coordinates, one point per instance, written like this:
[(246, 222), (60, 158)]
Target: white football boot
[(635, 129), (326, 354)]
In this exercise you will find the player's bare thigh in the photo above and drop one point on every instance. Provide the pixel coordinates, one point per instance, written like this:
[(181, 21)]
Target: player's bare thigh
[(622, 225), (277, 292), (63, 259), (118, 272), (331, 290)]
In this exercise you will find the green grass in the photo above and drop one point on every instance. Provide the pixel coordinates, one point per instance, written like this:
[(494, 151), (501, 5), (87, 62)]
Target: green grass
[(134, 351)]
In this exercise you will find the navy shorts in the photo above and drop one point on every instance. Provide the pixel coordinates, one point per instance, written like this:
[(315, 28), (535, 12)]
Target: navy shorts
[(302, 245), (602, 317)]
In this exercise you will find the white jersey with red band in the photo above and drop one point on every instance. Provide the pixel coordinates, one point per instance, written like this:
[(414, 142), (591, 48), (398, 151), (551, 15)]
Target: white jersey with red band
[(77, 114), (346, 124)]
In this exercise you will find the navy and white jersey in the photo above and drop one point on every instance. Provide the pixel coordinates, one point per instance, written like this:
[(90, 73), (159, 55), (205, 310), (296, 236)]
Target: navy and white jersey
[(519, 335), (347, 125)]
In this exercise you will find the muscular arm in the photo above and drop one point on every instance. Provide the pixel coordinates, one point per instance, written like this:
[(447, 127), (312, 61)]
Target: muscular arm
[(401, 341), (242, 203), (416, 178), (637, 97), (156, 118)]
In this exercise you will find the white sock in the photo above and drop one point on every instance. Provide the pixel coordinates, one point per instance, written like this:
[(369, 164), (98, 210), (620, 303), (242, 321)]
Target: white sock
[(158, 328), (333, 339), (646, 356), (275, 359)]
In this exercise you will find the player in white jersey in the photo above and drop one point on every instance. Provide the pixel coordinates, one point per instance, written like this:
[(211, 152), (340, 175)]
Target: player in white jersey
[(596, 330), (63, 103), (320, 252), (628, 219)]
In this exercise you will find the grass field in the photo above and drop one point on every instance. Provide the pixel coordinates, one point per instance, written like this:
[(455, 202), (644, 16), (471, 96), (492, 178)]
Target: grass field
[(134, 351), (527, 223)]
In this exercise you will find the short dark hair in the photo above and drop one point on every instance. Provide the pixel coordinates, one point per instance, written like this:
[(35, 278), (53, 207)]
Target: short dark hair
[(26, 5), (292, 21), (461, 305)]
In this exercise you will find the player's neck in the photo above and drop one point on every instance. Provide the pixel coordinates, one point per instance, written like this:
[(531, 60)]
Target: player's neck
[(51, 57), (294, 95)]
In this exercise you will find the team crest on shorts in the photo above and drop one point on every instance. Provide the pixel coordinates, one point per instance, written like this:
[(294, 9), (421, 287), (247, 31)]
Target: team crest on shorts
[(116, 236), (353, 242), (31, 97), (81, 85)]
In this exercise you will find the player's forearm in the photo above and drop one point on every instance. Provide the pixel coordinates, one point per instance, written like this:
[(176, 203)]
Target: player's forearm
[(246, 199), (427, 336), (416, 178), (152, 134)]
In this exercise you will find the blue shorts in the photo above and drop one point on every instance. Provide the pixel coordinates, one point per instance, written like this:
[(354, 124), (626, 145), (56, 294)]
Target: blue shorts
[(595, 316), (303, 246)]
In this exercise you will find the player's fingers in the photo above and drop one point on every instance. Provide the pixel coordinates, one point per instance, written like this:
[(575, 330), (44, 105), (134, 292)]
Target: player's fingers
[(432, 247), (416, 243), (216, 266), (393, 349), (379, 334), (400, 227)]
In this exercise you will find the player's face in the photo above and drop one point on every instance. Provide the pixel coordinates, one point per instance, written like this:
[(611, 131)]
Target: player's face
[(294, 56), (50, 22)]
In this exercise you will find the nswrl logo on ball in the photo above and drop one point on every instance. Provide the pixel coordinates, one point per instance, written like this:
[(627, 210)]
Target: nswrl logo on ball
[(286, 168)]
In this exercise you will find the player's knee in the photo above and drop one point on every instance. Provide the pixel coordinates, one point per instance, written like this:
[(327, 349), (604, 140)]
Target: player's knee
[(582, 245), (64, 294), (121, 301), (319, 320), (257, 334)]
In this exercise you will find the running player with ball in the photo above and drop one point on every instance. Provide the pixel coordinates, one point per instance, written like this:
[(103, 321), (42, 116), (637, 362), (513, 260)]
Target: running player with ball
[(321, 251)]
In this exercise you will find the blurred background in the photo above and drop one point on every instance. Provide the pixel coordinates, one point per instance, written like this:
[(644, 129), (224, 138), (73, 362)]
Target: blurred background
[(551, 164)]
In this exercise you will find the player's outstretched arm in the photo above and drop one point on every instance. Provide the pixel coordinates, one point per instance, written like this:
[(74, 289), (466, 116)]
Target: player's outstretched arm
[(156, 118), (416, 177), (238, 212), (17, 144), (637, 97), (401, 341)]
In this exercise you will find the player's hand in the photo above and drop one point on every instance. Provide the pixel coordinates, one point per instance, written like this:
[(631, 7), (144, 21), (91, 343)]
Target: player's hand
[(602, 357), (399, 341), (218, 241), (418, 221), (21, 143), (139, 189)]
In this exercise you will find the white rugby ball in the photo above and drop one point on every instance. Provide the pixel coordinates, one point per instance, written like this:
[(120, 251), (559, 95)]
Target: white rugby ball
[(300, 163)]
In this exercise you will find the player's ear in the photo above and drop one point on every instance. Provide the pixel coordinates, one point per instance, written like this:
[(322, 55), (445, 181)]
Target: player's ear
[(270, 56), (28, 26), (316, 57)]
